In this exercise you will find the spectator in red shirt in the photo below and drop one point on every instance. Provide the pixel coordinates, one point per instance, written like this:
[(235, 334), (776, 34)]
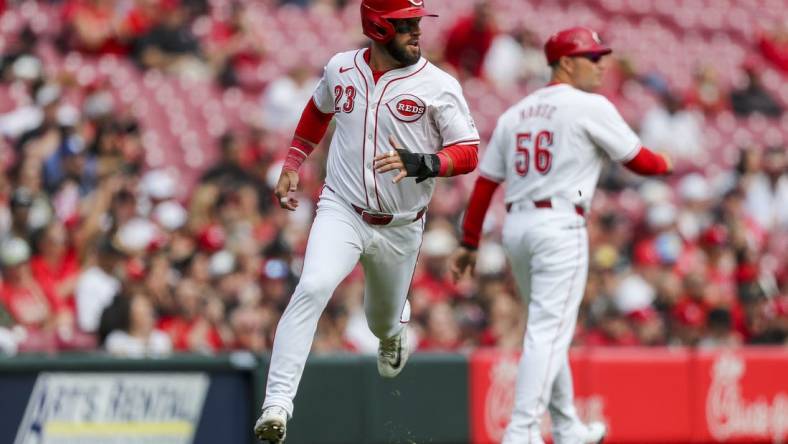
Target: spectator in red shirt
[(443, 330), (192, 330), (469, 40), (706, 94), (612, 330), (95, 26), (689, 313), (506, 323), (55, 266), (26, 300)]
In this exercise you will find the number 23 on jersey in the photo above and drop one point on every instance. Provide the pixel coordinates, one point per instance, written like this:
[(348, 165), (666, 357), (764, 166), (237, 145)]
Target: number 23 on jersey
[(539, 145), (350, 94)]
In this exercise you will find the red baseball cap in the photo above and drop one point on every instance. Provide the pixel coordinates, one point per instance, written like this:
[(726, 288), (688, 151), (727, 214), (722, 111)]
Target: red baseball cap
[(574, 41)]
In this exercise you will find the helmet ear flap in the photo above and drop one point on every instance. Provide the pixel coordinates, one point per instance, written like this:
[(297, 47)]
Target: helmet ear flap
[(386, 29), (376, 27)]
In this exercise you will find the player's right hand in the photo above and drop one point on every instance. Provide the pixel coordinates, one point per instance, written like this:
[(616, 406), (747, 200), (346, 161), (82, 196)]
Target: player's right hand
[(288, 183), (462, 261)]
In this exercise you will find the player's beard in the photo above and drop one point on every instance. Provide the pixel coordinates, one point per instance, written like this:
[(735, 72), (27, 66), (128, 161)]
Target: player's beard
[(400, 53)]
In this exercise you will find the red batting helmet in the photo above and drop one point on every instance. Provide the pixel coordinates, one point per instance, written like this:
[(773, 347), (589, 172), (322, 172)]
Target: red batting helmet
[(375, 15), (574, 41)]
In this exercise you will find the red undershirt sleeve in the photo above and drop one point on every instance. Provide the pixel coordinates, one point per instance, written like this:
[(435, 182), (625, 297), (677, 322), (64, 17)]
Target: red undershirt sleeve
[(458, 159), (648, 163), (310, 130), (480, 200)]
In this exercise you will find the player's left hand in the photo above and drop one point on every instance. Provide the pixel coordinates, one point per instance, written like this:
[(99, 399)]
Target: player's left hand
[(391, 161), (462, 261), (419, 165)]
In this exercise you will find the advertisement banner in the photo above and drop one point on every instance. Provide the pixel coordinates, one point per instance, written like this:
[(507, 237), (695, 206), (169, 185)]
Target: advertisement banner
[(744, 396), (113, 408), (651, 395)]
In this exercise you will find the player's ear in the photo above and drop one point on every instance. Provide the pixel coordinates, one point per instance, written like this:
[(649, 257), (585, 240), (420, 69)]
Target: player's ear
[(566, 64)]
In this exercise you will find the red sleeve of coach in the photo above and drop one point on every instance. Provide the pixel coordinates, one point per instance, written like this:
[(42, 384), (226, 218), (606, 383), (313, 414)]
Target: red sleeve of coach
[(481, 196), (648, 163)]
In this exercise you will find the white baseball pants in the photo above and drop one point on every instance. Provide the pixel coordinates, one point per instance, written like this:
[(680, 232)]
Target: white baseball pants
[(548, 251), (338, 240)]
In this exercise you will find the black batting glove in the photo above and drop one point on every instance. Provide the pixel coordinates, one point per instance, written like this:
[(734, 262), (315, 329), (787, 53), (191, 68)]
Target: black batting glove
[(420, 166)]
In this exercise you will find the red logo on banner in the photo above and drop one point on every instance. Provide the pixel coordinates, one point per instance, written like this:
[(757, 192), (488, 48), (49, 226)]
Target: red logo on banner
[(698, 396)]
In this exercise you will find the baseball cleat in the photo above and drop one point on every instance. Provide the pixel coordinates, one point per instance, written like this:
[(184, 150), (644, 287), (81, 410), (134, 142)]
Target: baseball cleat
[(393, 354), (595, 433), (271, 427)]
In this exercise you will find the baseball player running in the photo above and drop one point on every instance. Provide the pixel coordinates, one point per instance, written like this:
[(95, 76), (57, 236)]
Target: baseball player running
[(400, 122), (549, 149)]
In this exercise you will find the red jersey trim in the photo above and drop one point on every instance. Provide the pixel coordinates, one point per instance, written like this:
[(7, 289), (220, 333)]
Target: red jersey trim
[(364, 136)]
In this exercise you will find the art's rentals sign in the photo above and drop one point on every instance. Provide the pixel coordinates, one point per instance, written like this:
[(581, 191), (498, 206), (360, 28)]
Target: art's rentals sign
[(113, 408)]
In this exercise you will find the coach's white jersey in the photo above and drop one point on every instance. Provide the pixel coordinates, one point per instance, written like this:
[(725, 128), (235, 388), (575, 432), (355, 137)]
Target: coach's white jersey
[(551, 145), (422, 106)]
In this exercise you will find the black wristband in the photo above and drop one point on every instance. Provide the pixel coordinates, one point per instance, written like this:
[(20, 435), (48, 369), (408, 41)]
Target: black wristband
[(420, 166)]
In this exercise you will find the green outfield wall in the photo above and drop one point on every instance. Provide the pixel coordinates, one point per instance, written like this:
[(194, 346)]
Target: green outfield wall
[(342, 400)]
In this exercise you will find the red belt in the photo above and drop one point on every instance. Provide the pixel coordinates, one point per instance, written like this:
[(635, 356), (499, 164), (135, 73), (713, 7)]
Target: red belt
[(548, 204), (382, 218)]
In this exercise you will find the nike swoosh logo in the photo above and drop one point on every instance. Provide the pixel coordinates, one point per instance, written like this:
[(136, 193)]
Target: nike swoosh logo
[(397, 363), (344, 70)]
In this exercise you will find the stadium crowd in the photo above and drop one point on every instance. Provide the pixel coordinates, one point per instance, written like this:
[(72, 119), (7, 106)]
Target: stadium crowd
[(101, 250)]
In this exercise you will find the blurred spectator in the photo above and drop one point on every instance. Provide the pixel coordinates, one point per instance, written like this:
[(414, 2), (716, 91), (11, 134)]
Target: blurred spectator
[(233, 48), (43, 139), (70, 164), (21, 203), (767, 321), (137, 336), (689, 314), (284, 99), (25, 299), (706, 93), (170, 45), (252, 328), (505, 324), (106, 27), (751, 97), (469, 40), (696, 205), (720, 331), (98, 286), (767, 192), (431, 271), (514, 59), (673, 129), (442, 330), (56, 265), (199, 325), (774, 45), (649, 327), (233, 168), (611, 330)]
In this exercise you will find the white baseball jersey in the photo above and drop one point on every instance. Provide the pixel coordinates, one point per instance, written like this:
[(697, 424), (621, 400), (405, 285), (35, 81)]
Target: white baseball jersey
[(421, 105), (551, 145)]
